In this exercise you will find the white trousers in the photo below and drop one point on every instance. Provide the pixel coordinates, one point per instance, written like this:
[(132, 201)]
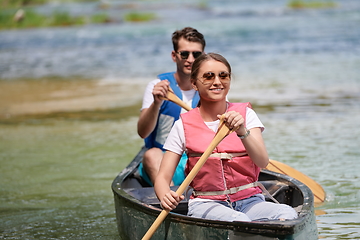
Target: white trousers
[(249, 209)]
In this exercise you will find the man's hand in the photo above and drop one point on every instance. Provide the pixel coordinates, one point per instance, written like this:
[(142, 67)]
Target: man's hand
[(160, 90)]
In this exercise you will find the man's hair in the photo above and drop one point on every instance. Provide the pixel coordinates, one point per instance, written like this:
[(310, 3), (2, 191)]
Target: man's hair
[(190, 34)]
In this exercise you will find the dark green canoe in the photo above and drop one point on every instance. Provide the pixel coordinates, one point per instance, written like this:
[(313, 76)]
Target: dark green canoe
[(137, 208)]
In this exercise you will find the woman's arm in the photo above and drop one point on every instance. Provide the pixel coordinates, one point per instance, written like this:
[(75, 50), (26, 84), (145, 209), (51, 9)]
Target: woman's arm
[(253, 142), (255, 147), (168, 198)]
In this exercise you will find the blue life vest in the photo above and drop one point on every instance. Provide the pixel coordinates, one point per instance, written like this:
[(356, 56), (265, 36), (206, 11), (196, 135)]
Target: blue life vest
[(168, 114)]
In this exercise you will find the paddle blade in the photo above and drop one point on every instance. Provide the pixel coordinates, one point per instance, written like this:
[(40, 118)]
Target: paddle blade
[(318, 191)]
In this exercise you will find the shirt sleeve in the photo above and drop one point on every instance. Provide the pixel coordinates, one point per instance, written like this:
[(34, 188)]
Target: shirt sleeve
[(175, 141), (148, 98), (252, 120)]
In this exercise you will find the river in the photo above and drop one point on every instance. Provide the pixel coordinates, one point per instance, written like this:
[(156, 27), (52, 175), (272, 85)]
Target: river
[(70, 98)]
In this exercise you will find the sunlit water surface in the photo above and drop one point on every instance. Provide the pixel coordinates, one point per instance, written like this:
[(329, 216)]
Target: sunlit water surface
[(69, 100)]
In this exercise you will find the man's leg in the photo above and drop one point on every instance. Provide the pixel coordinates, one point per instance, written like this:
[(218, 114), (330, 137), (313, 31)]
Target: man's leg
[(151, 162)]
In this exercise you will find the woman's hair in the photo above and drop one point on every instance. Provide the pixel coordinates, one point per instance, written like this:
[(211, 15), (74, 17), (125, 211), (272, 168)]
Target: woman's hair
[(206, 57), (189, 34)]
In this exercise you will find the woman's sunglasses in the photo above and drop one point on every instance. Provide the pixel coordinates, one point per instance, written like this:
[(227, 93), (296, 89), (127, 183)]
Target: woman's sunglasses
[(185, 54), (209, 77)]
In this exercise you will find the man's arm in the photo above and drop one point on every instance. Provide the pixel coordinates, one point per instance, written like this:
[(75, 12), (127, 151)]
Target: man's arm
[(149, 116), (147, 120)]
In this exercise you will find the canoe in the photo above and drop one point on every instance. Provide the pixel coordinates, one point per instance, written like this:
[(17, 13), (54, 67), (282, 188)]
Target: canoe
[(137, 208)]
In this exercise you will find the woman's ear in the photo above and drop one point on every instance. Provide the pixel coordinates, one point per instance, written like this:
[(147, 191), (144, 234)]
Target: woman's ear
[(194, 86)]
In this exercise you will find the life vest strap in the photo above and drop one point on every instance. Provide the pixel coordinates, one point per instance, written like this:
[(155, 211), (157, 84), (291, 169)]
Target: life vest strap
[(235, 190), (220, 155)]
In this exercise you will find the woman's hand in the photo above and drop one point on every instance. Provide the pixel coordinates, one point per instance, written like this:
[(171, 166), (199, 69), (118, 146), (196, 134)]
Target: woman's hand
[(234, 120), (253, 143), (171, 200)]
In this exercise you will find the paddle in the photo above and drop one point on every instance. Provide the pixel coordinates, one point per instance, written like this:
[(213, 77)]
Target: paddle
[(318, 191), (275, 166), (171, 96), (222, 132)]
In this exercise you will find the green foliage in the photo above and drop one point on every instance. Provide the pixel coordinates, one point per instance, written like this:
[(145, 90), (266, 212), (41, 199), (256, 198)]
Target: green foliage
[(311, 4), (22, 3), (19, 14), (139, 17), (64, 19), (203, 4), (32, 19), (100, 18)]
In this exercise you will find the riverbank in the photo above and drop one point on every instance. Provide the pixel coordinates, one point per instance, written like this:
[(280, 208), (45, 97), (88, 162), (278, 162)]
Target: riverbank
[(23, 14), (25, 99)]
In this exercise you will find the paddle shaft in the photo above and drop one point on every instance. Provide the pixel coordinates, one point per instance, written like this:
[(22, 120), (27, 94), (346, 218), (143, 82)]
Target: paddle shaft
[(171, 96), (222, 132)]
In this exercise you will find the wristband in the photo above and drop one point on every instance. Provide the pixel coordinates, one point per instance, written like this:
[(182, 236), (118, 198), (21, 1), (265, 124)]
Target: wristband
[(244, 136)]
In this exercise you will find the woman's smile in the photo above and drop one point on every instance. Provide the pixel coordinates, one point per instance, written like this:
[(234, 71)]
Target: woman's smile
[(216, 89)]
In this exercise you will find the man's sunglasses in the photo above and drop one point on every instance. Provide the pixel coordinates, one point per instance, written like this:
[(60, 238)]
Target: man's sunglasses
[(209, 77), (185, 54)]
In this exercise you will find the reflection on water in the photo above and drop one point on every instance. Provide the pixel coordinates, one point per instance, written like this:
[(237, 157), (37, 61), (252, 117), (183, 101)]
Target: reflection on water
[(63, 138)]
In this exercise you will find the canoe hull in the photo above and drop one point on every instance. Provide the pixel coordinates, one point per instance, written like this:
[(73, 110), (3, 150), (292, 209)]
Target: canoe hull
[(133, 220), (134, 217)]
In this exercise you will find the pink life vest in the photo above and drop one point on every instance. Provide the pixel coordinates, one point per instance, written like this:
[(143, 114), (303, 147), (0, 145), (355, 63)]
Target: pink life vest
[(219, 174)]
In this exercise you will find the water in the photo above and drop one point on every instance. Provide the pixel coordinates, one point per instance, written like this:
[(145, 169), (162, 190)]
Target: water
[(69, 100)]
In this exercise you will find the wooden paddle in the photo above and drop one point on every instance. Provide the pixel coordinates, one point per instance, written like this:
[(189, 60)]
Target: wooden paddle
[(275, 166), (171, 96), (318, 191), (222, 132)]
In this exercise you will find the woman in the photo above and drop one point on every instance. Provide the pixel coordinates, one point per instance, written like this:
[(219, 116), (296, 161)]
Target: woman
[(226, 186)]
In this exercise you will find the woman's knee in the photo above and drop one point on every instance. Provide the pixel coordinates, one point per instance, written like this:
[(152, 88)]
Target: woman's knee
[(287, 212), (216, 211), (271, 211)]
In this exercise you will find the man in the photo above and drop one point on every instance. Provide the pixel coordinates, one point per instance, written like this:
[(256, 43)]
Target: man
[(158, 116)]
